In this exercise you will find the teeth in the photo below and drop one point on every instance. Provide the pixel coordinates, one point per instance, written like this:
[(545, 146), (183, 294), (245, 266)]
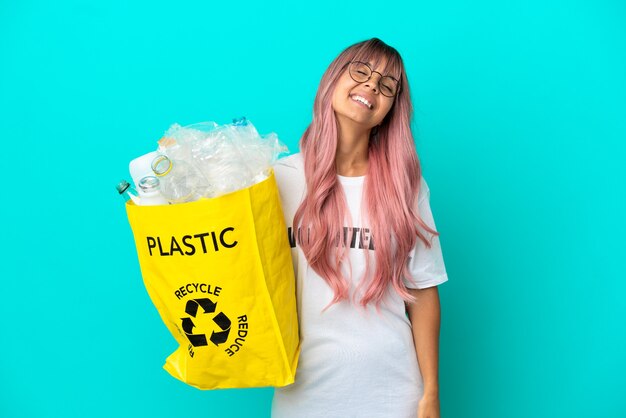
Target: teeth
[(362, 100)]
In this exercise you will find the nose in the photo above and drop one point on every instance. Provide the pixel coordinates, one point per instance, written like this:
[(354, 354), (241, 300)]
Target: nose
[(374, 83)]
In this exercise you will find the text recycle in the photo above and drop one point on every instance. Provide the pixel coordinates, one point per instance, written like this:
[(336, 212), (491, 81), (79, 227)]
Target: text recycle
[(219, 335)]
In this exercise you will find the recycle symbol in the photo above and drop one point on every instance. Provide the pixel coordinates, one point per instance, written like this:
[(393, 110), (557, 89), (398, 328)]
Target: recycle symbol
[(220, 319)]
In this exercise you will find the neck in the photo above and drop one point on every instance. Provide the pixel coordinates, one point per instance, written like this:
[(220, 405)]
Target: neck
[(351, 158)]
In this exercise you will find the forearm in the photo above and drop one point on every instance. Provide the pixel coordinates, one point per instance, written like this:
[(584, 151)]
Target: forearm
[(425, 317)]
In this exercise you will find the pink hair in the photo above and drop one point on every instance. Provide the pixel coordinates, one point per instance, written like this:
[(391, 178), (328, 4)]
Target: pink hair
[(390, 190)]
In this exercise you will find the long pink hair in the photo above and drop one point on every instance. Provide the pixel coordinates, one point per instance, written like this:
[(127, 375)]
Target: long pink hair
[(390, 190)]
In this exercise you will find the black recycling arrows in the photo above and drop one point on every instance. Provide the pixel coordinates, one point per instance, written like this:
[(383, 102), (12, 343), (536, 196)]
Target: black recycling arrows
[(208, 306), (188, 325), (192, 306), (222, 320), (195, 339)]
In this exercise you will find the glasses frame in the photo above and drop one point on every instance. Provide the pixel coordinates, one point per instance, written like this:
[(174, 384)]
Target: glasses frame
[(349, 65)]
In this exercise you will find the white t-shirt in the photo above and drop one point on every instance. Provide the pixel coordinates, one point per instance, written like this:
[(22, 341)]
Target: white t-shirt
[(354, 362)]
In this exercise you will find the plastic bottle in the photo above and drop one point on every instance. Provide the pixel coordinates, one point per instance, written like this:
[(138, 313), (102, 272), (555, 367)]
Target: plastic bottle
[(127, 192), (150, 193), (140, 167), (180, 181)]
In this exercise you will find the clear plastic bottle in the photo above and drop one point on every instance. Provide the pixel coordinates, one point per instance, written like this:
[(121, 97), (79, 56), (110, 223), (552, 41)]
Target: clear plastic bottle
[(150, 193), (140, 168), (127, 192), (180, 181)]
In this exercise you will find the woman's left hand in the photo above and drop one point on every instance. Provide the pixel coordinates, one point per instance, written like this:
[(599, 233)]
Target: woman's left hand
[(428, 407)]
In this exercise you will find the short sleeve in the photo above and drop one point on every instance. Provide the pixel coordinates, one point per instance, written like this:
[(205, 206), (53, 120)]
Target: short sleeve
[(289, 175), (426, 265)]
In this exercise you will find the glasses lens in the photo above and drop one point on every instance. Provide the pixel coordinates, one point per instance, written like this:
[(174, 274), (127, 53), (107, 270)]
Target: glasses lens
[(388, 86), (360, 72)]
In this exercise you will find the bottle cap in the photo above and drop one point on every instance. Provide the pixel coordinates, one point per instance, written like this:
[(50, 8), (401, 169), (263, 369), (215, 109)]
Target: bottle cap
[(122, 186), (240, 121)]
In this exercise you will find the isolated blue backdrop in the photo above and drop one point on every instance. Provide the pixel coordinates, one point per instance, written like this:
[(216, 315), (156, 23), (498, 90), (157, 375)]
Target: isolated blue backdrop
[(519, 124)]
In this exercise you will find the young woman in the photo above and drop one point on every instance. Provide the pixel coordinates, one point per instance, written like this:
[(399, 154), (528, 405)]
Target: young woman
[(365, 249)]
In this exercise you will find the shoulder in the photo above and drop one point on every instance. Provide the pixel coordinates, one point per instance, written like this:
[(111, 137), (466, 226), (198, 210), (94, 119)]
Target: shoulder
[(289, 163), (289, 172), (289, 167), (424, 190)]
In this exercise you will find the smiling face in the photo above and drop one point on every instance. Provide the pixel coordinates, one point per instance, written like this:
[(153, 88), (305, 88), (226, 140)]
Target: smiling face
[(361, 104)]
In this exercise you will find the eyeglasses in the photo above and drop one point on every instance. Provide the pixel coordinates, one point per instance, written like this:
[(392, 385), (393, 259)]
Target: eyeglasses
[(361, 72)]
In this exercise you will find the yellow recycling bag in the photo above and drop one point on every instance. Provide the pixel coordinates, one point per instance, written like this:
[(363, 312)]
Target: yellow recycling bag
[(219, 272)]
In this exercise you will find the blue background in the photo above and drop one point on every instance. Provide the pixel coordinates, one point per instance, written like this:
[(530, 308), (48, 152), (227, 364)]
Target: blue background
[(520, 125)]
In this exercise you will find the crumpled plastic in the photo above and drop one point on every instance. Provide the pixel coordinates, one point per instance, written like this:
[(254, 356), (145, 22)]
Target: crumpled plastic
[(210, 160)]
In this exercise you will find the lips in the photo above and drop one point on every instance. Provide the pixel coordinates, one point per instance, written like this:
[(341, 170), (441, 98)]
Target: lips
[(364, 99)]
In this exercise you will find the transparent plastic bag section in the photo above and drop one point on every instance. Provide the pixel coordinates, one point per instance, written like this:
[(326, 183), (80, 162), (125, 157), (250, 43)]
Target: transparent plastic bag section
[(210, 160)]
